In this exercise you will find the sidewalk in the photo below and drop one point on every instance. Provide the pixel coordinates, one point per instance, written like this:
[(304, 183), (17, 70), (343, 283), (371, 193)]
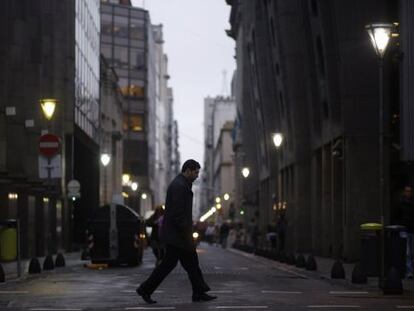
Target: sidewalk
[(10, 268), (324, 267)]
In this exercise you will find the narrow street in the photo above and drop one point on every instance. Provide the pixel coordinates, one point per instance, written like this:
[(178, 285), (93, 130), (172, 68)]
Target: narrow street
[(241, 282)]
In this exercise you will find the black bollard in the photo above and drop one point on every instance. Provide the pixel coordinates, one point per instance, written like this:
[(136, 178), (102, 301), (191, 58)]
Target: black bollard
[(282, 256), (358, 275), (338, 271), (300, 261), (2, 276), (393, 284), (290, 259), (60, 260), (311, 264), (48, 263), (34, 266)]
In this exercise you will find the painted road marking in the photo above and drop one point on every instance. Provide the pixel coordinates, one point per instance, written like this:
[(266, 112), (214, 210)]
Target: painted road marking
[(221, 291), (239, 307), (133, 291), (333, 306), (280, 292), (150, 308), (14, 292), (333, 292)]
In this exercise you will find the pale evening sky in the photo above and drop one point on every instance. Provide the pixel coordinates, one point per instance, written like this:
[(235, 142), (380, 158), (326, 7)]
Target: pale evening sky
[(198, 51)]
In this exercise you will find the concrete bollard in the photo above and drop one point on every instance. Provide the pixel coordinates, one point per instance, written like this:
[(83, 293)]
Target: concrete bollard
[(48, 263), (358, 275), (393, 284), (34, 266), (338, 271), (300, 261), (2, 275), (60, 260), (311, 264)]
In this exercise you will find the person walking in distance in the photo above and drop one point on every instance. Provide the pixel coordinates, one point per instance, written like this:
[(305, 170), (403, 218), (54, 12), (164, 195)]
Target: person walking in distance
[(176, 233)]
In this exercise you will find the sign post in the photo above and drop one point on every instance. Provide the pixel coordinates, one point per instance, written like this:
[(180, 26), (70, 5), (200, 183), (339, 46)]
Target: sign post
[(49, 146)]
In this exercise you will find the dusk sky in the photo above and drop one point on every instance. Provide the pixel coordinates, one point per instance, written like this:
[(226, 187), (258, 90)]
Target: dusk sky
[(199, 51)]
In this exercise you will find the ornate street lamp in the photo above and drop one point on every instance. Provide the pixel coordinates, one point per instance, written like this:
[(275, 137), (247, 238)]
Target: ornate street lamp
[(48, 107), (105, 159), (380, 34), (245, 172), (226, 197), (277, 139), (134, 186)]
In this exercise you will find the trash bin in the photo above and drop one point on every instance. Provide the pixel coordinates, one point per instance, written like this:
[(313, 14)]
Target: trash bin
[(8, 244), (395, 249), (371, 248)]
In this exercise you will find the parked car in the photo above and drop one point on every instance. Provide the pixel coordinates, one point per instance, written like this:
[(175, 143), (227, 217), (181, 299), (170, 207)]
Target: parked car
[(116, 235)]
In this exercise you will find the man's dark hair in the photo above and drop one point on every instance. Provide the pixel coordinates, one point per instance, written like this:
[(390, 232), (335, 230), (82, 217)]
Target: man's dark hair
[(190, 164)]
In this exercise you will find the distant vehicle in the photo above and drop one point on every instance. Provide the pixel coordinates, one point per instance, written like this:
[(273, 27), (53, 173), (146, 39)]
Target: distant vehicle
[(116, 235)]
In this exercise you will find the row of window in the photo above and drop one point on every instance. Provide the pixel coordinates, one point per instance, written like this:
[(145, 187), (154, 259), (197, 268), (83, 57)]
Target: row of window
[(133, 122)]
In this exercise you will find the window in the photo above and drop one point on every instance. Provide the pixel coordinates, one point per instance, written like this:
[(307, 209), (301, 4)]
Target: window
[(133, 122)]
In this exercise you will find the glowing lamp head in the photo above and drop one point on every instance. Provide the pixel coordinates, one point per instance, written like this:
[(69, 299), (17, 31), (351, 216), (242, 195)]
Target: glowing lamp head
[(48, 107)]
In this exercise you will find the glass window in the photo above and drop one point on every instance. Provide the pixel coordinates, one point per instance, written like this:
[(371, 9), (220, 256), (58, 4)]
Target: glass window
[(136, 122), (133, 122), (106, 50), (137, 31), (121, 26), (106, 24), (121, 11), (138, 14), (121, 57), (136, 58)]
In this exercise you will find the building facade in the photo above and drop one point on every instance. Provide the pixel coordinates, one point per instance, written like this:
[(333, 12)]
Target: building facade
[(217, 112), (50, 51), (307, 69)]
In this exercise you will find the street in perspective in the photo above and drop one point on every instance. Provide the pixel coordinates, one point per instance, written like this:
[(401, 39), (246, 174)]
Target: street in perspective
[(206, 155), (241, 281)]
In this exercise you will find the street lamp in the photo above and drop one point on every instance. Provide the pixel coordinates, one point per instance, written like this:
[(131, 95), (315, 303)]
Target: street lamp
[(245, 172), (144, 196), (218, 200), (134, 186), (105, 159), (126, 179), (226, 197), (48, 107), (380, 34), (277, 139)]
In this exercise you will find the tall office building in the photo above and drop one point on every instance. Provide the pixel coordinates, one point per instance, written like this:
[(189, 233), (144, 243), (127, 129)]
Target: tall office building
[(125, 35)]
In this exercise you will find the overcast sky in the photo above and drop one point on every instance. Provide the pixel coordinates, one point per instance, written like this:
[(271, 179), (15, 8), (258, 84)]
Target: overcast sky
[(198, 50)]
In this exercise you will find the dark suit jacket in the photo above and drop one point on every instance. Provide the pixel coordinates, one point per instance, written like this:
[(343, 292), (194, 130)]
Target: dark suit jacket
[(177, 226)]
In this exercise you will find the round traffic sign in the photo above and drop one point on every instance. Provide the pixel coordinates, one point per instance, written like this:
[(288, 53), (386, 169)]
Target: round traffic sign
[(74, 186), (49, 145)]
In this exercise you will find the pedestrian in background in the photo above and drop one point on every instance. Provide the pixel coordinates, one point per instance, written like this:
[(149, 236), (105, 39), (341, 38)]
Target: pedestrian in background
[(210, 233), (405, 217), (155, 222), (224, 234), (177, 234), (281, 227)]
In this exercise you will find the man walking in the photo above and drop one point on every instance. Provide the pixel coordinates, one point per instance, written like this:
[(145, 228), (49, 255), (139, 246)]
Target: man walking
[(176, 233)]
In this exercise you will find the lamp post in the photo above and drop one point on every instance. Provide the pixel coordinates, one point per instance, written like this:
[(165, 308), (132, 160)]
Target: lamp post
[(278, 141), (380, 34), (105, 159)]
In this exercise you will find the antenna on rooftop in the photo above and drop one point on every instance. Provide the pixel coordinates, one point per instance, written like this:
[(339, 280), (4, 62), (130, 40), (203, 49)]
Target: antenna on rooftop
[(224, 86)]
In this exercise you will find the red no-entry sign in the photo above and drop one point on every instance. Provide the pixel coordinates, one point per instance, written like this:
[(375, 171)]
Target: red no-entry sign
[(49, 145)]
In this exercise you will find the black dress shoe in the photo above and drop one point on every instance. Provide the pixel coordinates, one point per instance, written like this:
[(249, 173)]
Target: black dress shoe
[(203, 297), (146, 297)]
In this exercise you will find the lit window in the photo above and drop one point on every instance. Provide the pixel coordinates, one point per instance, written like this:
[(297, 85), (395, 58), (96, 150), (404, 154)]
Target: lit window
[(136, 122)]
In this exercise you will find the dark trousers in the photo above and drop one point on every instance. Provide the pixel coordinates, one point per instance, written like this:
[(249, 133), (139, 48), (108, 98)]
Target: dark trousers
[(189, 261)]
